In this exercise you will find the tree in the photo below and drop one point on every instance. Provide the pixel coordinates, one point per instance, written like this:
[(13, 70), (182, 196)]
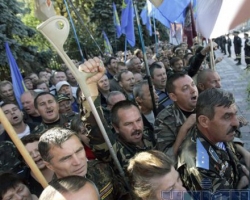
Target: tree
[(18, 35)]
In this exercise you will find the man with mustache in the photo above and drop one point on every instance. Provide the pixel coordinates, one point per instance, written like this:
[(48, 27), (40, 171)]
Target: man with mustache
[(131, 136), (207, 160)]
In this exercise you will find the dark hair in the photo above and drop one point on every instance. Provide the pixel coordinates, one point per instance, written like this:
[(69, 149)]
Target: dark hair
[(30, 138), (7, 103), (170, 82), (211, 98), (8, 181), (42, 94), (109, 60), (53, 137), (174, 60), (152, 68), (125, 104)]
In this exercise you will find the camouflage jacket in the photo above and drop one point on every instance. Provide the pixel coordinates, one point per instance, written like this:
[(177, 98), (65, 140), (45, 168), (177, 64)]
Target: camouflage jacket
[(167, 125), (110, 186), (204, 166), (124, 151), (63, 122)]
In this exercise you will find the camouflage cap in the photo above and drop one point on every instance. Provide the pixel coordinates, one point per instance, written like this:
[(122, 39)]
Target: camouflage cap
[(9, 157), (62, 97)]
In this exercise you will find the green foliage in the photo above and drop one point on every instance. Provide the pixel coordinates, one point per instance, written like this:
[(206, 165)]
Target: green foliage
[(33, 52), (20, 38)]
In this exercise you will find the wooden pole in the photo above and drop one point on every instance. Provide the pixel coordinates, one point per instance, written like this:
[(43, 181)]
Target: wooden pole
[(21, 148)]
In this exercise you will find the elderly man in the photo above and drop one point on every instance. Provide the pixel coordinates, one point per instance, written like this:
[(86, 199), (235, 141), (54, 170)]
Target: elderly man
[(207, 159), (63, 87), (63, 153), (27, 100), (144, 101)]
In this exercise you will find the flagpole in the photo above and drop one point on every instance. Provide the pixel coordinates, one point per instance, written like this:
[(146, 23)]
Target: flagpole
[(74, 30), (145, 57), (125, 52), (156, 42), (82, 23)]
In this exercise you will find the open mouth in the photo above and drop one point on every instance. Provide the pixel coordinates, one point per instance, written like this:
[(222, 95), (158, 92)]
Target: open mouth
[(15, 117), (39, 162), (194, 98), (49, 112)]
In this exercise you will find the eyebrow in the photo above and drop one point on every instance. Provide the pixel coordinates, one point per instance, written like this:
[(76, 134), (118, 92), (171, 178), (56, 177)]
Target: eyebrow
[(68, 156)]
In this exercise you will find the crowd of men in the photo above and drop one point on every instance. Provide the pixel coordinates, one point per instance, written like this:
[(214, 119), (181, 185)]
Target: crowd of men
[(176, 135)]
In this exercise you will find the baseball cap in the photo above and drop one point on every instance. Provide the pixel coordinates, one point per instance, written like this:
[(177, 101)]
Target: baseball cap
[(60, 84)]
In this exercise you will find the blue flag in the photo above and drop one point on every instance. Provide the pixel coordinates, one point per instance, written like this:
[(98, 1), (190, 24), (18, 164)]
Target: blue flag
[(172, 9), (146, 19), (127, 21), (107, 45), (117, 22), (155, 13), (16, 77)]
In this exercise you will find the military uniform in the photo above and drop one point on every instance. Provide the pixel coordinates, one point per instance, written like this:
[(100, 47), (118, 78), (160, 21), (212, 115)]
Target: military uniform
[(229, 44), (63, 122), (109, 185), (247, 52), (167, 125), (204, 166), (123, 150), (237, 48)]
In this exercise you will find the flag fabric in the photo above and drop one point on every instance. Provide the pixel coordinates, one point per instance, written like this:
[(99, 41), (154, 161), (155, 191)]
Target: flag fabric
[(189, 26), (127, 21), (16, 77), (107, 45), (146, 19), (194, 5), (155, 13), (171, 9), (117, 22)]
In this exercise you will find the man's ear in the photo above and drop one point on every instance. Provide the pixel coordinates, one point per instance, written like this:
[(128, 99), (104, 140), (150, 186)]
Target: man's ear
[(116, 128), (138, 100), (120, 83), (203, 121), (201, 86), (172, 96), (49, 166)]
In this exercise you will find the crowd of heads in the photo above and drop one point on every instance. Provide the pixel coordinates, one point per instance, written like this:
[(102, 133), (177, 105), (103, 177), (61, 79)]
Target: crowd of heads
[(53, 94)]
